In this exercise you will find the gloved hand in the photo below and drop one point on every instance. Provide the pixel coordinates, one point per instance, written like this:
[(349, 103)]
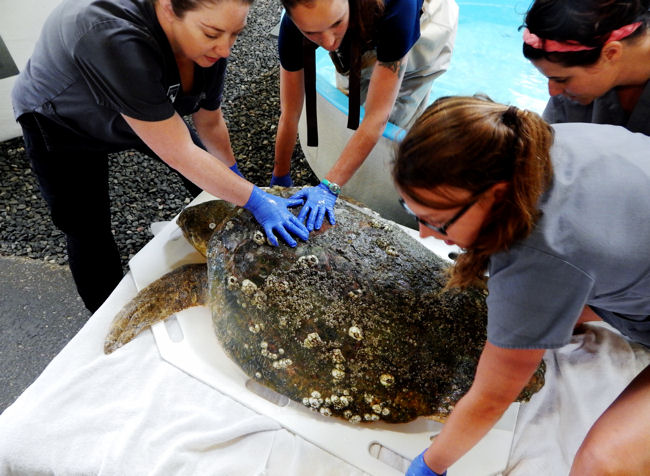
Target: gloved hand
[(271, 212), (419, 468), (282, 180), (318, 201), (235, 169)]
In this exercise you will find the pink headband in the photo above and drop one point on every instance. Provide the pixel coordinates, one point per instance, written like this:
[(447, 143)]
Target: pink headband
[(551, 46)]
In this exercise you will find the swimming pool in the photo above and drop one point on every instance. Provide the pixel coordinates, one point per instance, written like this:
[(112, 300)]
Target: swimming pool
[(487, 57)]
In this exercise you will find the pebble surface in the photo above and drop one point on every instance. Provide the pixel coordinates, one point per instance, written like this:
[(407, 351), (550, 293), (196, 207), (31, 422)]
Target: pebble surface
[(143, 190)]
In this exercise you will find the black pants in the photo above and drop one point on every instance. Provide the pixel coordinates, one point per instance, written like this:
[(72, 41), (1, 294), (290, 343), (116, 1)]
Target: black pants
[(73, 180)]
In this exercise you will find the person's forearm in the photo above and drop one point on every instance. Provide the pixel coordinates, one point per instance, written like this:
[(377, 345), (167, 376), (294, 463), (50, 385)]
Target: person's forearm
[(292, 95), (170, 140), (285, 142), (470, 421), (357, 149), (215, 137), (211, 175), (500, 375)]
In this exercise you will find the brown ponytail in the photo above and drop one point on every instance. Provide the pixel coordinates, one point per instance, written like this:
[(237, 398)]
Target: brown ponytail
[(473, 143)]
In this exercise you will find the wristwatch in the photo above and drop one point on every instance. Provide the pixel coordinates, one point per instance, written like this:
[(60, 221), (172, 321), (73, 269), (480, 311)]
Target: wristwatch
[(333, 187)]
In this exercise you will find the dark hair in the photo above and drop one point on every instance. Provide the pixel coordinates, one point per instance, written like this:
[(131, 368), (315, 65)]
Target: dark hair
[(181, 7), (473, 143), (588, 22), (363, 14)]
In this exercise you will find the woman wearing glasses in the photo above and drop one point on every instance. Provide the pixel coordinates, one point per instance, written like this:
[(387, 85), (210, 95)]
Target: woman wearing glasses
[(560, 218), (596, 56)]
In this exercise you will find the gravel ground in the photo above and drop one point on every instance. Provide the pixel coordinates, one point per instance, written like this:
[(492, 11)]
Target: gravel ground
[(144, 190)]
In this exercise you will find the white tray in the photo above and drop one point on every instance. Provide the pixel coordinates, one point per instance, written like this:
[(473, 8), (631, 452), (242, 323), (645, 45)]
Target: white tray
[(189, 343)]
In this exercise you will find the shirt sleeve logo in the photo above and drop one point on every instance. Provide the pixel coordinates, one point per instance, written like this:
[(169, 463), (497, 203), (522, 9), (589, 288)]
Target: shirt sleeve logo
[(172, 92)]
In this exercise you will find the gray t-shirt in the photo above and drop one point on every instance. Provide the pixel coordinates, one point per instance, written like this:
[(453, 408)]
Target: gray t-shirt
[(97, 59), (603, 110), (591, 245)]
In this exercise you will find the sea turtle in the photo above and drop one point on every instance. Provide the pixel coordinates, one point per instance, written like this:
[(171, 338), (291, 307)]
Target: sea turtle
[(353, 323)]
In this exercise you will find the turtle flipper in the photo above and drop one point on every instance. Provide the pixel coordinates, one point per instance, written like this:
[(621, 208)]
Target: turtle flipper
[(184, 287)]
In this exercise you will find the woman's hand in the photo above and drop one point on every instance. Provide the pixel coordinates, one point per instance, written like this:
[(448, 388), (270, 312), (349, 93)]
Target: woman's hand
[(319, 201), (271, 212)]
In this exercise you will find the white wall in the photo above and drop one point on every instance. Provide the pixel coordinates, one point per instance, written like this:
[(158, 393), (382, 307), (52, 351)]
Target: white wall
[(20, 25)]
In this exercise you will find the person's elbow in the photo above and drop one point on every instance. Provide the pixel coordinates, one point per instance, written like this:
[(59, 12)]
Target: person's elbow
[(373, 125), (179, 155)]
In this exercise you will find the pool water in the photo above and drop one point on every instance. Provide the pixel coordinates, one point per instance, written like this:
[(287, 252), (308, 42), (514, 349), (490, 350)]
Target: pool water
[(487, 58)]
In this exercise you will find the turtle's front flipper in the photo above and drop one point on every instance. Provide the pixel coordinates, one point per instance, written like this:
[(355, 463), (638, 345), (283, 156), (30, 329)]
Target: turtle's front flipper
[(179, 289)]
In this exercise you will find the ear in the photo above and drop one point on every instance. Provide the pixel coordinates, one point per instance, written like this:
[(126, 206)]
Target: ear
[(167, 10), (612, 52), (498, 190)]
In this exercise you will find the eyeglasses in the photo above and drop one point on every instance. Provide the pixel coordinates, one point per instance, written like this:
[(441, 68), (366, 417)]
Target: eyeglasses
[(440, 229)]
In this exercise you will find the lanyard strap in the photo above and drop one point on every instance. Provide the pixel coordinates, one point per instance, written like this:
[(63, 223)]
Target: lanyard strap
[(354, 85), (309, 65)]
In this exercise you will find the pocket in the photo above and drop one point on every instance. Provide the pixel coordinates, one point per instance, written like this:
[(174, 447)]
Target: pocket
[(35, 143)]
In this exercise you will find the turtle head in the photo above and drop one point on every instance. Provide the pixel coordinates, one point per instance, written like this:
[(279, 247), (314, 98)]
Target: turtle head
[(199, 222)]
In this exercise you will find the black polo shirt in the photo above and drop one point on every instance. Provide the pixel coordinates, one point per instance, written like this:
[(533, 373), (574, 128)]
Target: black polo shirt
[(98, 59)]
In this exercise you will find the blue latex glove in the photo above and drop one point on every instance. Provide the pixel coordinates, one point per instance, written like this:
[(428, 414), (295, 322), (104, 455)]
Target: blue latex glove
[(419, 468), (282, 180), (271, 212), (235, 169), (318, 201)]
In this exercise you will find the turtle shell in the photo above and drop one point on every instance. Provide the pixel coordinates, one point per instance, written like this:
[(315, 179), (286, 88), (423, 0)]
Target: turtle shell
[(353, 323)]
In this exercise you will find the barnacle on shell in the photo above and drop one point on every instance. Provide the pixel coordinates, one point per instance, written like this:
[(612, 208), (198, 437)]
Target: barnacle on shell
[(259, 299), (259, 237), (282, 363), (355, 333), (356, 293), (312, 340), (391, 251), (308, 261), (338, 374), (337, 356), (232, 283), (248, 287)]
